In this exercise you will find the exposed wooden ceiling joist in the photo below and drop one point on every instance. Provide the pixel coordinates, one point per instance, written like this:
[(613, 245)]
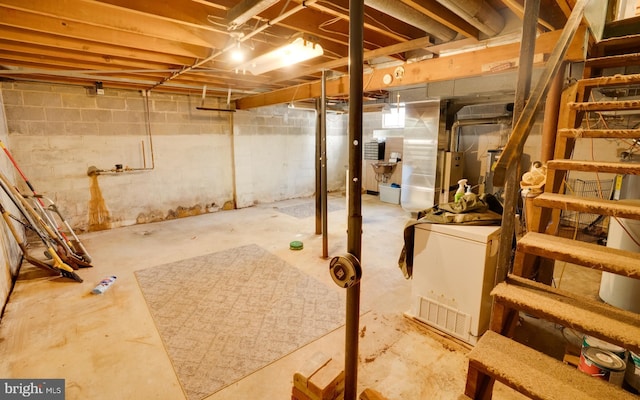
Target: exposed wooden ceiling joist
[(182, 45), (474, 63)]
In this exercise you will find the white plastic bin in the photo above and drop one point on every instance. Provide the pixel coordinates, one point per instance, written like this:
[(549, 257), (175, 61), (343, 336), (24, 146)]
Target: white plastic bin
[(389, 194)]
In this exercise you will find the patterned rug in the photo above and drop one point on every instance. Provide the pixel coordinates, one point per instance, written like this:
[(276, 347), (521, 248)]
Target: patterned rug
[(225, 315)]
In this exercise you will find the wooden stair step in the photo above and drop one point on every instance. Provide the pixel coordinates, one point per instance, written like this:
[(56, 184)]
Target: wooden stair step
[(590, 317), (605, 105), (621, 27), (624, 168), (600, 133), (617, 45), (620, 262), (533, 373), (613, 80), (620, 60), (615, 208)]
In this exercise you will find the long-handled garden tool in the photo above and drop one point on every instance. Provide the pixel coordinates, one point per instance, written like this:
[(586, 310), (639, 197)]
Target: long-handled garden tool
[(57, 264), (48, 210), (61, 260), (46, 213)]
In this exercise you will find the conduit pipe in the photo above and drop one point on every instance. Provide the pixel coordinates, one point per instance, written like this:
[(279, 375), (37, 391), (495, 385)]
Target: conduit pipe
[(478, 13), (119, 168), (411, 16)]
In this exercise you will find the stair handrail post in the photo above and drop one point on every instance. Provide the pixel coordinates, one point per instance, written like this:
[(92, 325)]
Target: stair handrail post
[(511, 186)]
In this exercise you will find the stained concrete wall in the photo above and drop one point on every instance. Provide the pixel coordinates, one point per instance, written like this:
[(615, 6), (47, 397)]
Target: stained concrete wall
[(10, 256), (275, 153), (57, 132)]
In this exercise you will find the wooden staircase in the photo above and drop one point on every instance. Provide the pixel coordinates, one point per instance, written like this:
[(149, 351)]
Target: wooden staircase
[(496, 356)]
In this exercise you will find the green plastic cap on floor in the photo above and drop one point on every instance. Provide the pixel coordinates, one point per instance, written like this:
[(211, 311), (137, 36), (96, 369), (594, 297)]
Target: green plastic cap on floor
[(296, 245)]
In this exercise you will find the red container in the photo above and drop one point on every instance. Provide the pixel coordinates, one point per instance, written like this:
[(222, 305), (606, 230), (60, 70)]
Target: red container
[(602, 364)]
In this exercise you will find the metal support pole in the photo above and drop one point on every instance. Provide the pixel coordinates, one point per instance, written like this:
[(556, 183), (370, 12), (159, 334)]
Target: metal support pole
[(354, 225), (511, 187), (318, 168), (323, 162), (551, 114)]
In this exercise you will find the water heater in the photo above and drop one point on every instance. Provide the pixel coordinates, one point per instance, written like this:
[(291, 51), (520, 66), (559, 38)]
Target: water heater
[(622, 291)]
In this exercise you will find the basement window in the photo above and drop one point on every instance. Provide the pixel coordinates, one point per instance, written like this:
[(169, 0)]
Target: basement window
[(393, 117)]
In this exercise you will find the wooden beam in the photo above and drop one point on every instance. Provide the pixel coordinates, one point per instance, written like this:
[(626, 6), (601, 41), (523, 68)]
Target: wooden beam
[(423, 42), (26, 38), (207, 3), (244, 10), (58, 26), (53, 57), (120, 19), (187, 12), (518, 9), (566, 6), (400, 34), (436, 11), (436, 69)]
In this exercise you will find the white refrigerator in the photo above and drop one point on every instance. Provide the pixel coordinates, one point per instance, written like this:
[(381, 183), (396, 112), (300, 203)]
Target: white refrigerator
[(453, 274)]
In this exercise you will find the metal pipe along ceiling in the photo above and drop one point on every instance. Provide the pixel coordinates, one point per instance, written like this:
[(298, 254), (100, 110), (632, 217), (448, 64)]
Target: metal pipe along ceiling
[(478, 13), (411, 16)]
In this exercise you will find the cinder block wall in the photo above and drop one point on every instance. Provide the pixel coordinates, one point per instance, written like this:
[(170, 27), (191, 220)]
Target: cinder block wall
[(10, 256), (56, 132), (275, 153)]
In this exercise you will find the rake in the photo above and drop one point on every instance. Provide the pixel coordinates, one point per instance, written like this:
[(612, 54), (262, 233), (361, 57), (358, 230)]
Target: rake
[(47, 210)]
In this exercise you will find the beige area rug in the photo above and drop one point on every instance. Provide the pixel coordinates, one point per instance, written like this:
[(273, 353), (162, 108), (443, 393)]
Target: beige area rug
[(225, 315)]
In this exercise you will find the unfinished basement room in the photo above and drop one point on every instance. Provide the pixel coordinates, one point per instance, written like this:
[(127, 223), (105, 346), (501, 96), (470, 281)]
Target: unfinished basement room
[(320, 199)]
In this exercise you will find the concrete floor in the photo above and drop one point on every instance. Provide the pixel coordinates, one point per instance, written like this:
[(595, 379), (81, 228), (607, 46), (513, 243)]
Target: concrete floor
[(107, 346)]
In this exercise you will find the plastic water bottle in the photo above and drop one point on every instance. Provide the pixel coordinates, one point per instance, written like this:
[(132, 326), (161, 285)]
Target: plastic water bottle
[(104, 285)]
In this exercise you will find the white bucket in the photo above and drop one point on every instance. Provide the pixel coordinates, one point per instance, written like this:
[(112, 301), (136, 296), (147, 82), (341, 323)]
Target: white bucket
[(590, 341)]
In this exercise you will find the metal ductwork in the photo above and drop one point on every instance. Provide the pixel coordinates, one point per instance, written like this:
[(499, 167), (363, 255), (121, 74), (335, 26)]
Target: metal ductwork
[(478, 13), (411, 16)]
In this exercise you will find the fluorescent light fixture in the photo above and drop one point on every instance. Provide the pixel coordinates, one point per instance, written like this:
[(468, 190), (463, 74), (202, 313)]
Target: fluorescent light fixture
[(298, 50)]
